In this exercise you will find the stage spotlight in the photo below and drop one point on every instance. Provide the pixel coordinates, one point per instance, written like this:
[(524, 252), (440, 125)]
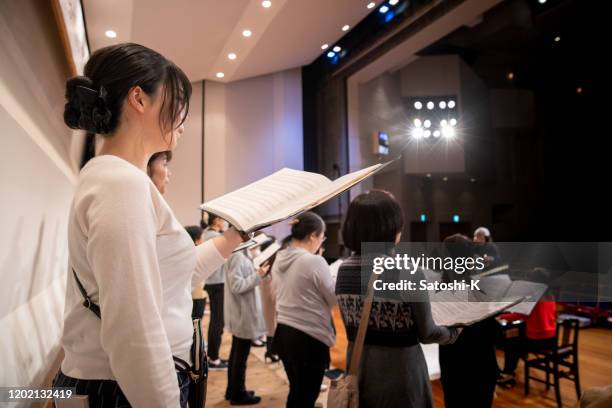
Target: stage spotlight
[(448, 132), (451, 104), (417, 133), (383, 9), (443, 123), (427, 123), (337, 48), (427, 133), (442, 105), (436, 133), (331, 54), (417, 123), (453, 122), (418, 105), (430, 105)]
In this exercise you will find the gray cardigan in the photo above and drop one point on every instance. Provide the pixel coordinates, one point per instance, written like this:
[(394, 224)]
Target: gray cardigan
[(242, 306)]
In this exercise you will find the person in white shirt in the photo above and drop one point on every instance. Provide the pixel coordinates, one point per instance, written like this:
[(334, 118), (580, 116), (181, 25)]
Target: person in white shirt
[(127, 249)]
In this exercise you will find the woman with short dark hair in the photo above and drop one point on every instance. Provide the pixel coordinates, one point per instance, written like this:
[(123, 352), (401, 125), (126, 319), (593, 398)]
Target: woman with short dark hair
[(157, 169), (393, 370)]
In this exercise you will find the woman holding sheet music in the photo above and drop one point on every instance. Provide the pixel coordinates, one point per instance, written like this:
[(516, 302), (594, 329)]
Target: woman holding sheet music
[(471, 359), (132, 258), (393, 371), (304, 298), (243, 318)]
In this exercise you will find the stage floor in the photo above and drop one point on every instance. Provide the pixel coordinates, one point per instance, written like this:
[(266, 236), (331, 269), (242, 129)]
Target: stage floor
[(269, 381)]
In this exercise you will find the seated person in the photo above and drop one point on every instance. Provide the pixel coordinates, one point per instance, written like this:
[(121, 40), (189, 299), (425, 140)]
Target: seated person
[(540, 331)]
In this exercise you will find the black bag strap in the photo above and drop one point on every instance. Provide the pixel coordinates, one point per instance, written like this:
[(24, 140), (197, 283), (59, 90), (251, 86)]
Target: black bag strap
[(179, 364), (87, 302)]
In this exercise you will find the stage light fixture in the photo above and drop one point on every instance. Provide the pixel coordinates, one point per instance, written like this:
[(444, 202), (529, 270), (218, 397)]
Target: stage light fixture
[(451, 104), (442, 105), (430, 105), (453, 122), (331, 54), (448, 132), (418, 105), (346, 27), (417, 123), (443, 123), (383, 9), (417, 133), (371, 5), (436, 133), (427, 123), (325, 46), (427, 133), (337, 48)]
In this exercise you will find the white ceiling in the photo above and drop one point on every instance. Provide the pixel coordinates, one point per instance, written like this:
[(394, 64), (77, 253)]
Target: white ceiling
[(198, 34)]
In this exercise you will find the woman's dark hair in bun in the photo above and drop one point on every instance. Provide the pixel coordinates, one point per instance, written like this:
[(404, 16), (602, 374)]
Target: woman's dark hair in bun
[(94, 101)]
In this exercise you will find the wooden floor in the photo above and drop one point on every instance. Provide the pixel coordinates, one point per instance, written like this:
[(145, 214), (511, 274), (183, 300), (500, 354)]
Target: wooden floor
[(269, 382)]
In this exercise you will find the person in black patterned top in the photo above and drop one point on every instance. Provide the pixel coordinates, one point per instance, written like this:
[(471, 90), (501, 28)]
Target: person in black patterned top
[(393, 368)]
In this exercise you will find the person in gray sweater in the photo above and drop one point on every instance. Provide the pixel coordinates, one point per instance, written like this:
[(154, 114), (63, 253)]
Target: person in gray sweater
[(214, 286), (304, 297), (244, 319)]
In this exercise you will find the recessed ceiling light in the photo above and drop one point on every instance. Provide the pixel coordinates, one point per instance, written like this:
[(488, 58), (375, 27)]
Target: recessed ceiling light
[(393, 2), (231, 56), (220, 75), (266, 4), (337, 48), (383, 9), (325, 46), (541, 1), (428, 175), (510, 76), (557, 39), (371, 5), (110, 34), (247, 33), (473, 180), (346, 27), (445, 178), (579, 90)]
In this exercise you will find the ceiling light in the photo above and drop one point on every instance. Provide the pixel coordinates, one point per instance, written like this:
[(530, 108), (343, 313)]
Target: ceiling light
[(430, 105), (393, 2), (220, 74), (331, 54), (418, 105), (346, 27), (445, 178), (451, 104), (427, 123), (442, 105), (417, 133), (247, 33), (325, 46), (557, 39), (541, 1), (436, 133), (453, 122), (448, 132), (266, 4), (371, 5), (383, 9), (110, 34), (417, 123), (231, 56), (510, 76), (337, 48), (427, 133), (428, 175)]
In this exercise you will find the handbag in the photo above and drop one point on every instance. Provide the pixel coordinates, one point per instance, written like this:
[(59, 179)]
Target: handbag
[(198, 372), (344, 392)]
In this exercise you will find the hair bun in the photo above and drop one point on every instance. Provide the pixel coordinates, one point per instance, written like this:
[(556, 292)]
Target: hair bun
[(86, 107)]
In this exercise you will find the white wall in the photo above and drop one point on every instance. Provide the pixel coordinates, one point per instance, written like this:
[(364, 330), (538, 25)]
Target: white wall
[(37, 176), (253, 128)]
